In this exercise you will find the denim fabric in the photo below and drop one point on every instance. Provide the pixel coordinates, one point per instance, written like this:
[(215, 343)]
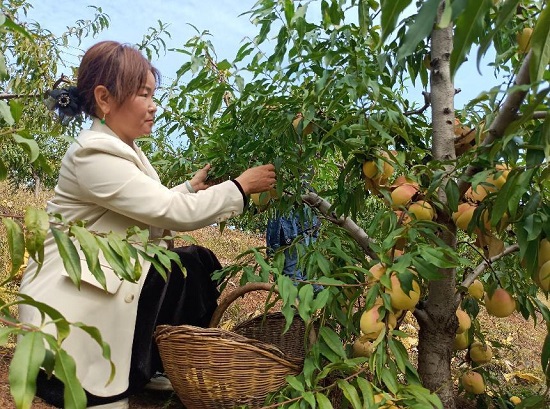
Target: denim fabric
[(281, 232)]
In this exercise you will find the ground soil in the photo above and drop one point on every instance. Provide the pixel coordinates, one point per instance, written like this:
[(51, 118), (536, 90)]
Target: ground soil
[(516, 365)]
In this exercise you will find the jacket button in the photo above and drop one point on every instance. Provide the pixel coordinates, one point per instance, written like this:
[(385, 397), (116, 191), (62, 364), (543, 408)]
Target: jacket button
[(129, 298)]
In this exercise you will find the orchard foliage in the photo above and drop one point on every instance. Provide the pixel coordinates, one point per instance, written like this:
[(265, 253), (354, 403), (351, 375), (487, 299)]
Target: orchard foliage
[(31, 61), (322, 90), (346, 76)]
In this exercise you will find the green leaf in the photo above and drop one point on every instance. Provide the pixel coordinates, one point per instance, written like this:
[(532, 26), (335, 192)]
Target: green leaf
[(452, 193), (216, 102), (61, 325), (37, 224), (540, 46), (25, 365), (305, 295), (128, 253), (119, 245), (469, 27), (437, 257), (323, 401), (69, 255), (329, 281), (90, 248), (295, 383), (158, 266), (163, 260), (16, 110), (400, 354), (5, 333), (321, 299), (423, 396), (143, 236), (288, 292), (363, 16), (259, 258), (309, 397), (506, 12), (350, 393), (420, 29), (366, 390), (105, 348), (119, 265), (545, 356), (224, 65), (391, 9), (323, 263), (523, 185), (3, 170), (10, 25), (29, 145), (16, 244), (65, 370), (5, 113), (390, 380), (333, 341)]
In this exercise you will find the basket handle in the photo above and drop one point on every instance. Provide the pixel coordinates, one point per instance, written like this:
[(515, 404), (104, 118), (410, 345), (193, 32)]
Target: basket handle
[(242, 290), (233, 295)]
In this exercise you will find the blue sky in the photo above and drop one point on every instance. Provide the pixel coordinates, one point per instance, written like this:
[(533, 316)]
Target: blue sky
[(130, 20)]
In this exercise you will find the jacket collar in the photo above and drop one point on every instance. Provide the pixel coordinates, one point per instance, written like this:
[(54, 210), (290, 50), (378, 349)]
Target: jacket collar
[(97, 126)]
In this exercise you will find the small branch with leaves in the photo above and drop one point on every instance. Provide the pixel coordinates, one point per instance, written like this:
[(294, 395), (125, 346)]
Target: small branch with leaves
[(315, 201)]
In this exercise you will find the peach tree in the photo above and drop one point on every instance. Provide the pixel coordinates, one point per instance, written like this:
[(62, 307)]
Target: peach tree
[(420, 199)]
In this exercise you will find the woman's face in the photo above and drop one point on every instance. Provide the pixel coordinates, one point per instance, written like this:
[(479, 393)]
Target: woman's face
[(134, 118)]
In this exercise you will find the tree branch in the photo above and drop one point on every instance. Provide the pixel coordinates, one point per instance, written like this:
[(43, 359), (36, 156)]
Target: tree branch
[(423, 108), (315, 201), (506, 115), (7, 96), (485, 263), (422, 317), (15, 96)]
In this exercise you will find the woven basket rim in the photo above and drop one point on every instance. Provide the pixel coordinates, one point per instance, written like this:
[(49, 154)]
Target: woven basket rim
[(171, 334)]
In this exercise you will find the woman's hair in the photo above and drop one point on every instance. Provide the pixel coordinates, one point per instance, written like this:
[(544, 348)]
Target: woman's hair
[(121, 68)]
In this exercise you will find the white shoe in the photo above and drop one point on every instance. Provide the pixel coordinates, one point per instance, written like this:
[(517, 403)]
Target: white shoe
[(119, 404), (159, 382)]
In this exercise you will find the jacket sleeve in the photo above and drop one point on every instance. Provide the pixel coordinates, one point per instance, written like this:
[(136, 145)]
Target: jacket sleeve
[(110, 177)]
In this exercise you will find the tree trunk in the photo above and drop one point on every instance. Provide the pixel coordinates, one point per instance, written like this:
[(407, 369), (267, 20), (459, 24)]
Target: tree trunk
[(437, 316), (37, 184)]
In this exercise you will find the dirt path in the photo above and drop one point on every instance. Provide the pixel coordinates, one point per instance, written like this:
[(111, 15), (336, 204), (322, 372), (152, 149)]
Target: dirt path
[(144, 400)]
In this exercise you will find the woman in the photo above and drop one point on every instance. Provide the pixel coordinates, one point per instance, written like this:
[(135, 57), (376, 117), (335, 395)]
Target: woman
[(107, 181)]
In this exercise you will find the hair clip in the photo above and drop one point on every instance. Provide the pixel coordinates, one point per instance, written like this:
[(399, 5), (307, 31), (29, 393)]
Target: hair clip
[(65, 101)]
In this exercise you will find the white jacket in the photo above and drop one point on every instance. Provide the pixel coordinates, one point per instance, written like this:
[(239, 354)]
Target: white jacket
[(112, 186)]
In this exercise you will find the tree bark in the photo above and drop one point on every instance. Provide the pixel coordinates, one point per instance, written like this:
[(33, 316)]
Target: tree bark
[(314, 201), (37, 184), (437, 316)]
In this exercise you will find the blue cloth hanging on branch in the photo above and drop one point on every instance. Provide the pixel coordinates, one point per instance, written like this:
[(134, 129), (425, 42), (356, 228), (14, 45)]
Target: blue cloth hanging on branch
[(282, 230)]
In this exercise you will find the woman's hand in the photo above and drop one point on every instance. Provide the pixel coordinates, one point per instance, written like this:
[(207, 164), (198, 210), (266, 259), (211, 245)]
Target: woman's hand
[(258, 179), (198, 182)]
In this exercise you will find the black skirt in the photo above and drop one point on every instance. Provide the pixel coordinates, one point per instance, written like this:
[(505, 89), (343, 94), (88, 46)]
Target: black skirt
[(188, 297)]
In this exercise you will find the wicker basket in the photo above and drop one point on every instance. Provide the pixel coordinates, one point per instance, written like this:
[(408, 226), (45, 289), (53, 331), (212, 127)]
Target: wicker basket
[(214, 368)]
